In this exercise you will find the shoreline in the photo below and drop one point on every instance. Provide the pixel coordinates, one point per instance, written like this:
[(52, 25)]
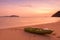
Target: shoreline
[(29, 25), (18, 33)]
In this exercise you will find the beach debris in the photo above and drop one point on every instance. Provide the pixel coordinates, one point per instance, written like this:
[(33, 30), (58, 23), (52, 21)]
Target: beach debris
[(54, 34), (41, 31), (58, 37)]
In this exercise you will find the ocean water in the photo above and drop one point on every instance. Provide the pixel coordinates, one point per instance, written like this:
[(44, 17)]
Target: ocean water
[(8, 22)]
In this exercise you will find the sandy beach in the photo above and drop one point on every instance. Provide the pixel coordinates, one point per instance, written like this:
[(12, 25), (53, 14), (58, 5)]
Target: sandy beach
[(19, 34)]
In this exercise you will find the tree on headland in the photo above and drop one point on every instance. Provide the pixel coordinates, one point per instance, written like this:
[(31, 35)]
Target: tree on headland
[(57, 14)]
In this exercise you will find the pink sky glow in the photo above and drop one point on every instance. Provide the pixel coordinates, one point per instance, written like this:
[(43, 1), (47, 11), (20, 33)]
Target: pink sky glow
[(29, 7)]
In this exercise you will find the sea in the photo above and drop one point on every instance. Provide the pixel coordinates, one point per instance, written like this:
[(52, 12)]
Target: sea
[(9, 22)]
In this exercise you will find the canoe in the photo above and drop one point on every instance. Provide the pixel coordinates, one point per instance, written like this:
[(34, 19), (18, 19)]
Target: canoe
[(41, 31)]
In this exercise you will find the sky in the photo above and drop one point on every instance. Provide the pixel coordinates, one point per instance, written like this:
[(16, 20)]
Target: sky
[(29, 7)]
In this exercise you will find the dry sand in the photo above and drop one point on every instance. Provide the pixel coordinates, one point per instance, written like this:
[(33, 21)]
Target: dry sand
[(19, 34)]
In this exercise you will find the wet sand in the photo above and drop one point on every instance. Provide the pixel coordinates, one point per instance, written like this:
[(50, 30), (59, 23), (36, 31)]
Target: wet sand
[(19, 34)]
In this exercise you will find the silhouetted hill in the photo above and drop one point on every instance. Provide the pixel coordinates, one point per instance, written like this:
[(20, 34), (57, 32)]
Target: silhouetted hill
[(57, 14), (14, 16), (11, 16)]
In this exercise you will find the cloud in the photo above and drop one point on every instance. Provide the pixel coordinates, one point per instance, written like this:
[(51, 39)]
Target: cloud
[(31, 3), (25, 5)]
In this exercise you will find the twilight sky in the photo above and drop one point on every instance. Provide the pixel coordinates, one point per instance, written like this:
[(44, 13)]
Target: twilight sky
[(29, 7)]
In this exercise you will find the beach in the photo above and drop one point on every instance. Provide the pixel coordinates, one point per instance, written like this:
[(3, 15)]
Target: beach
[(29, 19), (18, 33)]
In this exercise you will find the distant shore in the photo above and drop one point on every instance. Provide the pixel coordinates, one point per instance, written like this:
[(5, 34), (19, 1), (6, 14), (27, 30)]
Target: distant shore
[(18, 33)]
